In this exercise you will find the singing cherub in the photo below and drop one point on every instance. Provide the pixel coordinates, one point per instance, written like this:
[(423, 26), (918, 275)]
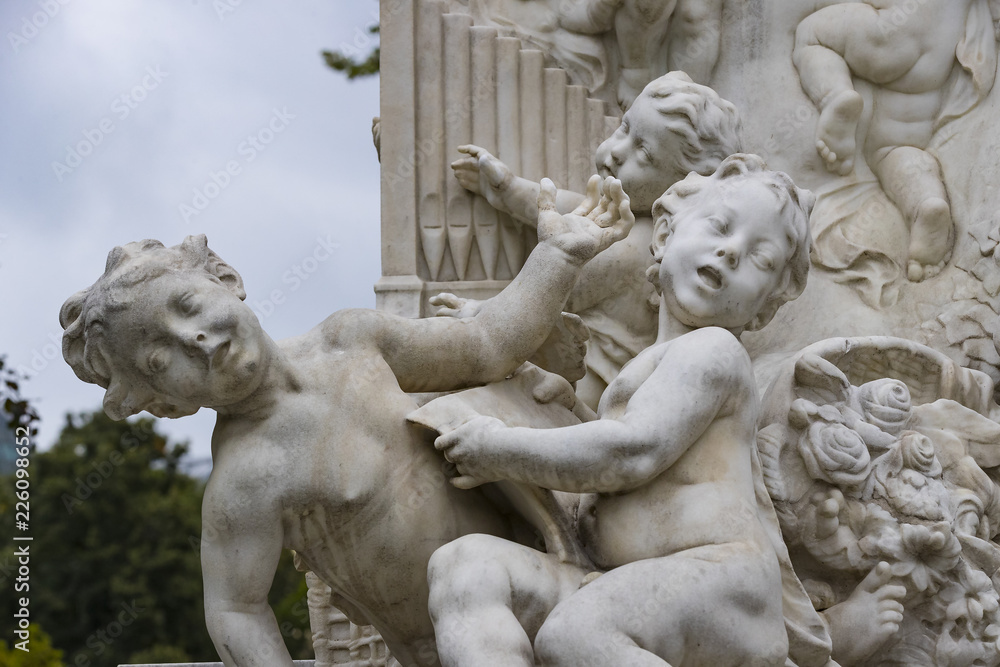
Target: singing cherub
[(674, 127), (910, 52), (312, 450), (690, 562)]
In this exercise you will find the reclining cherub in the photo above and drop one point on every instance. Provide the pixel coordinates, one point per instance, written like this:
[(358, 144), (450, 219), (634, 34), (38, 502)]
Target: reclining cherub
[(908, 51), (692, 560), (311, 449), (674, 127)]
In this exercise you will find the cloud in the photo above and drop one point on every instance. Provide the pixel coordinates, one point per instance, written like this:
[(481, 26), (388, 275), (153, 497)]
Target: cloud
[(223, 79)]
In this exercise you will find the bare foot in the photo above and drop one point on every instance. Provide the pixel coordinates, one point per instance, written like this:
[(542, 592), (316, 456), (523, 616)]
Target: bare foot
[(862, 623), (931, 239), (838, 123)]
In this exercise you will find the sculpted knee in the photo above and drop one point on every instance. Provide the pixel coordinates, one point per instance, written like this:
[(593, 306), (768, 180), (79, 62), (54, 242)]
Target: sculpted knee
[(461, 567), (563, 642)]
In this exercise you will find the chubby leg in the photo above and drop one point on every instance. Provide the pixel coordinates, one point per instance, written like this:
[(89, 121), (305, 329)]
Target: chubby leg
[(912, 179), (831, 45), (863, 622), (489, 597), (718, 605)]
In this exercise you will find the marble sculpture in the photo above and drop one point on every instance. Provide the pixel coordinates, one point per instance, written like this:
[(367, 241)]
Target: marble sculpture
[(820, 491)]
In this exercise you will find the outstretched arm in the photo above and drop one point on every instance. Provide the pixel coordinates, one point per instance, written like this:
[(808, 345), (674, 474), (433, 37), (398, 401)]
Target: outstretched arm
[(440, 353), (699, 380), (483, 174), (239, 555)]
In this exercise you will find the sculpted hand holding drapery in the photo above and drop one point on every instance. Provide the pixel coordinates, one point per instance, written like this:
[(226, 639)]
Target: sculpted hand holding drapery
[(676, 434)]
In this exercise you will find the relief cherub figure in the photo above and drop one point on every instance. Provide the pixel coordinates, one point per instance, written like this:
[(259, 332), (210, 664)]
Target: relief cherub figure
[(674, 127), (909, 51), (690, 564), (311, 450), (687, 31)]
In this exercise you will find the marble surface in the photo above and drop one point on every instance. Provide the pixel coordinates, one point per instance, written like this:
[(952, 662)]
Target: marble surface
[(820, 457)]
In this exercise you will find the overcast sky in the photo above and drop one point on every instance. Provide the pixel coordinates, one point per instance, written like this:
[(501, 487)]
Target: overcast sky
[(116, 115)]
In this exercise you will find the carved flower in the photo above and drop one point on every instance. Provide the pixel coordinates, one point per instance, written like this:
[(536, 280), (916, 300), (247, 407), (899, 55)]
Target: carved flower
[(919, 454), (834, 453), (969, 620), (925, 554), (908, 476), (886, 404)]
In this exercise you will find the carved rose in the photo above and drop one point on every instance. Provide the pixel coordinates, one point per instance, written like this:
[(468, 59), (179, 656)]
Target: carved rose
[(886, 404), (834, 453), (919, 454)]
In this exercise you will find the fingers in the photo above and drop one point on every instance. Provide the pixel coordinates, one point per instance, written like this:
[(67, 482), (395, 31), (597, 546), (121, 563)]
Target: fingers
[(466, 482), (445, 442), (447, 304), (469, 149), (877, 578), (466, 171), (546, 196), (594, 192)]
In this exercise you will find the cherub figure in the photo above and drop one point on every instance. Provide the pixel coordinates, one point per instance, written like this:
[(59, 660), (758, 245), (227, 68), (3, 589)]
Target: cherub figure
[(908, 51), (312, 450), (675, 443), (687, 31), (674, 127)]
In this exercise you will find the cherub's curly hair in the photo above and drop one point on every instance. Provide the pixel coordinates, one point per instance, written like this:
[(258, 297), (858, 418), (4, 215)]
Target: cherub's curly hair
[(84, 316), (796, 205), (708, 126)]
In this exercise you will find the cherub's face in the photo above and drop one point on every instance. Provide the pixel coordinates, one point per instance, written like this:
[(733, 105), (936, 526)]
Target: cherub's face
[(642, 154), (726, 255), (192, 341)]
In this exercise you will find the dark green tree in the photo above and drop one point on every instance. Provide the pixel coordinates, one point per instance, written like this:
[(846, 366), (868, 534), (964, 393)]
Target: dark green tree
[(17, 411), (351, 66), (115, 565)]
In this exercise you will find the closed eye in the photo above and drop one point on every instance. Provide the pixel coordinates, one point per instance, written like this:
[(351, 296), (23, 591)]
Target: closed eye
[(157, 362), (763, 259), (719, 225), (188, 303)]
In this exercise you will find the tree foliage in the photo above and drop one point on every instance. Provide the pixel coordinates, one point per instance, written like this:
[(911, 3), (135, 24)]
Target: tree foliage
[(115, 563), (17, 411), (42, 653), (354, 67)]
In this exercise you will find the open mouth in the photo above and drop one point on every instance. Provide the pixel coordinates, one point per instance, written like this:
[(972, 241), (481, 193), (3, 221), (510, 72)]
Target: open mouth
[(711, 277), (220, 354)]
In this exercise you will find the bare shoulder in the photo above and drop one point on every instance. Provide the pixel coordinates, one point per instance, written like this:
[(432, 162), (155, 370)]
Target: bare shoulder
[(711, 354), (247, 484)]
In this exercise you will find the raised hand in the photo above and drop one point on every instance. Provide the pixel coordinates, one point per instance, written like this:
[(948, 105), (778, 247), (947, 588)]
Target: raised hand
[(483, 174), (603, 218)]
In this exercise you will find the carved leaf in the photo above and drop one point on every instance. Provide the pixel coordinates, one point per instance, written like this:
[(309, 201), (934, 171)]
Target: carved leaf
[(820, 381)]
